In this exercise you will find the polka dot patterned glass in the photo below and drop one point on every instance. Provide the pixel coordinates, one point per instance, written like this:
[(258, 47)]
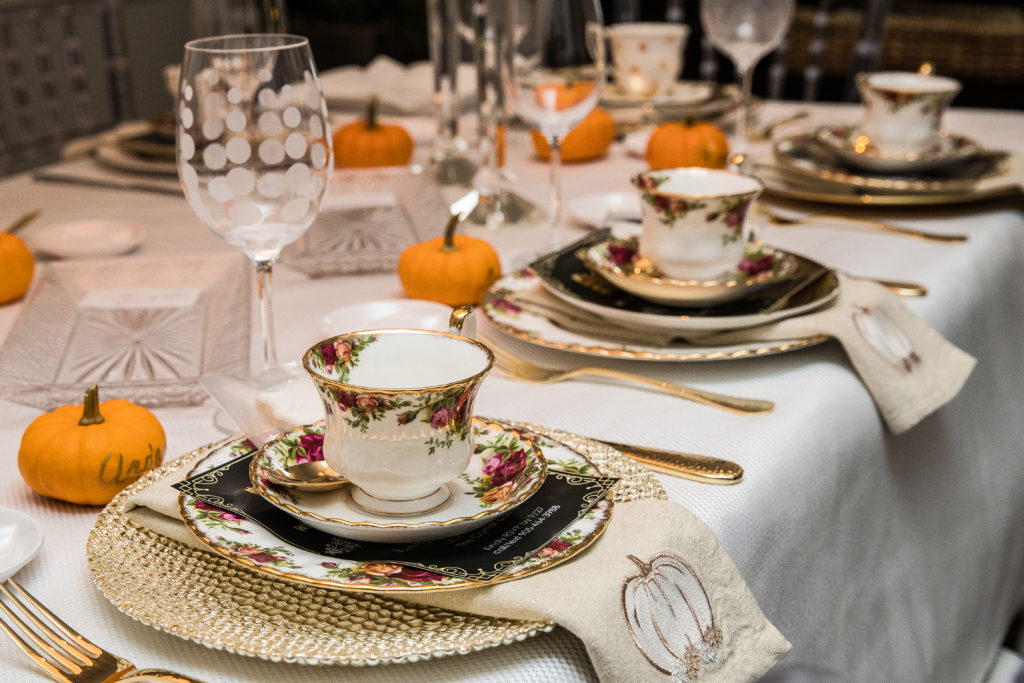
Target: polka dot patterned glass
[(254, 148)]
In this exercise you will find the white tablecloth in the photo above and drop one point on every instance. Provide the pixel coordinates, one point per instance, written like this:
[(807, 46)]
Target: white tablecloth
[(879, 557)]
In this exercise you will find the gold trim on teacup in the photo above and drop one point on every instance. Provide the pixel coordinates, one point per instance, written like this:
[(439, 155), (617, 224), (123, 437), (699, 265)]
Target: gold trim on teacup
[(694, 195), (266, 493), (334, 383)]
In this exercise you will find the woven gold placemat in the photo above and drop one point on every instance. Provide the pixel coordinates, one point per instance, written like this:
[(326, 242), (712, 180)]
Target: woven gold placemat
[(205, 598)]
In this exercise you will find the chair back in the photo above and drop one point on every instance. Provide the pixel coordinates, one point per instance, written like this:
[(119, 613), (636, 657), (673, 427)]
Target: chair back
[(836, 37), (65, 75)]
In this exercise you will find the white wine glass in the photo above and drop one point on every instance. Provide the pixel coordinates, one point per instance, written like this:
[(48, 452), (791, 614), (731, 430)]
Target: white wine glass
[(555, 75), (745, 30), (254, 148)]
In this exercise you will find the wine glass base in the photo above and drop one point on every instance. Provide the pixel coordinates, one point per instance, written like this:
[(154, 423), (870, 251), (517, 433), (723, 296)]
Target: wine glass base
[(453, 170), (504, 208)]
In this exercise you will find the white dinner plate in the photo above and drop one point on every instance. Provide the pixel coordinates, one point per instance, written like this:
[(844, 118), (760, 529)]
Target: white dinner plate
[(679, 94), (566, 276), (111, 154), (21, 537), (692, 325), (603, 208), (87, 238), (502, 309), (385, 314)]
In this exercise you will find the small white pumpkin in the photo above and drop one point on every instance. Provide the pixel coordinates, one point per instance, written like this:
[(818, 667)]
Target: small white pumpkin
[(669, 615)]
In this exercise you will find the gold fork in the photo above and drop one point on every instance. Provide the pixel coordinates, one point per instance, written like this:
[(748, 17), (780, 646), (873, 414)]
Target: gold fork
[(783, 221), (529, 372), (61, 651)]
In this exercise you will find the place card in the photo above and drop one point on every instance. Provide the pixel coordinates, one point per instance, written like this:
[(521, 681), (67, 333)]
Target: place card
[(478, 555), (135, 334)]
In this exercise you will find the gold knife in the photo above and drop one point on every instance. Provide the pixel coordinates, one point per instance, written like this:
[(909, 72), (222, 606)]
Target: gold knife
[(700, 468)]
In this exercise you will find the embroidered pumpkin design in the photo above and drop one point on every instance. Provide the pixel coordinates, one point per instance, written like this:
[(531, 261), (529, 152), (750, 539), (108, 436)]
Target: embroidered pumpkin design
[(885, 337), (669, 616)]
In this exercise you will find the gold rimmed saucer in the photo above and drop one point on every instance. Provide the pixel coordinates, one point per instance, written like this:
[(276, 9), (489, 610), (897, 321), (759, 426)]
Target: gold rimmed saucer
[(857, 150), (505, 470), (619, 262)]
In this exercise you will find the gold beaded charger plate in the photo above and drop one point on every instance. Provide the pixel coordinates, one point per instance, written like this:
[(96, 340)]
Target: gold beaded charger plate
[(206, 598)]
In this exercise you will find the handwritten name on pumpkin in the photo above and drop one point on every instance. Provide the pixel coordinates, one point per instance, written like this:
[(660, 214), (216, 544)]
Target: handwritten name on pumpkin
[(115, 472)]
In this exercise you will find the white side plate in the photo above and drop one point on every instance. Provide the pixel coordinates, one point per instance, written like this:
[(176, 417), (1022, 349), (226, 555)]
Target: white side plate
[(87, 238), (21, 537)]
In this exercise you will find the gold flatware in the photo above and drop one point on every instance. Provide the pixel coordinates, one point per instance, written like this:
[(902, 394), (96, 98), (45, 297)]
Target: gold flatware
[(800, 286), (22, 221), (61, 651), (308, 476), (524, 370), (900, 288), (785, 221), (691, 466), (765, 133)]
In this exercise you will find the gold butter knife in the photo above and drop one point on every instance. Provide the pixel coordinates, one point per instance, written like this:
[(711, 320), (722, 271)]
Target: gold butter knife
[(700, 468)]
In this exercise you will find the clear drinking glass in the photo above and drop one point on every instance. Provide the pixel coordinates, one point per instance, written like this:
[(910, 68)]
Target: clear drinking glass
[(745, 30), (556, 73), (254, 147)]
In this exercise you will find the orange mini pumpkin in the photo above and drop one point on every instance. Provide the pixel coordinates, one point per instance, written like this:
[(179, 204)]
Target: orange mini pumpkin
[(588, 140), (675, 145), (455, 269), (370, 143), (87, 453), (16, 267)]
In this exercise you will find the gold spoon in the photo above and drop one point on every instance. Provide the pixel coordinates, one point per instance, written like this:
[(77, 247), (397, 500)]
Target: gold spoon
[(307, 476)]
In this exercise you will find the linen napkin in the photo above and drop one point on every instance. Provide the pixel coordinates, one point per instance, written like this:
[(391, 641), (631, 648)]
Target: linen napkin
[(909, 368), (663, 605), (400, 89)]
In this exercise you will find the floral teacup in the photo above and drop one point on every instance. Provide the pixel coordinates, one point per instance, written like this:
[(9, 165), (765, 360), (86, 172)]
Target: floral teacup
[(648, 56), (903, 110), (694, 220), (399, 404)]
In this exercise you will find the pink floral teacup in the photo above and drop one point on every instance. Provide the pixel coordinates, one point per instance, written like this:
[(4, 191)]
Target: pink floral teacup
[(694, 220), (399, 407), (903, 110)]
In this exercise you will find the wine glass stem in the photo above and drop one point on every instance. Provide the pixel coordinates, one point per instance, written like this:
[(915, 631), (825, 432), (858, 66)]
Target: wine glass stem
[(746, 76), (264, 273), (555, 189)]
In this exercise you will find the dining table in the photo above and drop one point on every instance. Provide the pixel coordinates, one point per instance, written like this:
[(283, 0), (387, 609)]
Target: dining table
[(880, 556)]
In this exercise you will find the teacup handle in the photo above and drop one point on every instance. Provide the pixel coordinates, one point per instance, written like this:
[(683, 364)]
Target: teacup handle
[(462, 321)]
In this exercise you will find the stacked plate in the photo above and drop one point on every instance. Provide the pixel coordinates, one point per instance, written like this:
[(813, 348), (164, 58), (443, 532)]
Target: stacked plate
[(684, 100), (833, 164), (485, 492), (600, 297), (141, 147)]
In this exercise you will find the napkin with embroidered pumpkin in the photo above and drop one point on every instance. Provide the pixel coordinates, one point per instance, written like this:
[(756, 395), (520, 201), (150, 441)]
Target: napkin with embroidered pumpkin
[(667, 604)]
